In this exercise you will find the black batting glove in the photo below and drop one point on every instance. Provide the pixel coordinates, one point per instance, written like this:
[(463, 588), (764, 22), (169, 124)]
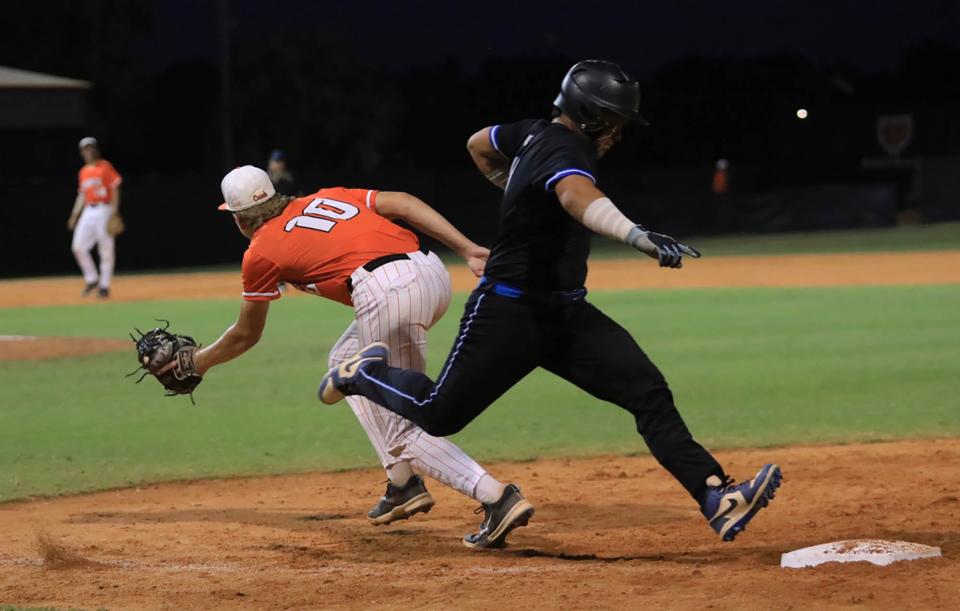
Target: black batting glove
[(668, 251)]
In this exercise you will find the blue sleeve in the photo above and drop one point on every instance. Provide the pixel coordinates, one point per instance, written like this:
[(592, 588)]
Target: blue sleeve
[(507, 138)]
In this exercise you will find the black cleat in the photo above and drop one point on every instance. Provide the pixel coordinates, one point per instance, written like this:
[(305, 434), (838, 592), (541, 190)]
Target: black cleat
[(103, 293), (399, 503), (88, 289), (511, 511)]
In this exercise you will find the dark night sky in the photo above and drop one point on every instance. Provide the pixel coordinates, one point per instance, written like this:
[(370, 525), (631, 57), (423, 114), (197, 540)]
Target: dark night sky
[(399, 34)]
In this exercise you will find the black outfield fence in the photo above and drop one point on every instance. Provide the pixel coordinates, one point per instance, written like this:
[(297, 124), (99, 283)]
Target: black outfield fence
[(172, 220)]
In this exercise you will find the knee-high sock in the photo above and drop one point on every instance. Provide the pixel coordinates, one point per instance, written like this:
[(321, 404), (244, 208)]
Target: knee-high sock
[(433, 456)]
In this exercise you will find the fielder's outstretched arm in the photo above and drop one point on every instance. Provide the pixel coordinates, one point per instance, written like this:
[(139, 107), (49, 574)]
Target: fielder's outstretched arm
[(240, 337), (416, 212), (589, 206), (491, 163)]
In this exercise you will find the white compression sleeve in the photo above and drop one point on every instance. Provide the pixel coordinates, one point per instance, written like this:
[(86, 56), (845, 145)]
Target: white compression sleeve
[(603, 217)]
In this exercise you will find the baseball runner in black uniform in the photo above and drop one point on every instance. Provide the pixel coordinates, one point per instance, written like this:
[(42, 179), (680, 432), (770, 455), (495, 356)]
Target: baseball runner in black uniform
[(530, 309)]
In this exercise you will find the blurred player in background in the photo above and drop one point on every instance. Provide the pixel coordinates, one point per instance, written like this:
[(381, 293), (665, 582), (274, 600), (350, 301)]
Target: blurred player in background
[(95, 218), (280, 175)]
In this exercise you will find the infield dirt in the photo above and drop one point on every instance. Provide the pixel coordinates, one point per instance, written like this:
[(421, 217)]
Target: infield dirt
[(38, 348), (856, 269), (609, 532)]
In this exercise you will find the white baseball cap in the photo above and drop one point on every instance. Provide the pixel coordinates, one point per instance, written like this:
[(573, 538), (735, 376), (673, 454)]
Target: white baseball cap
[(88, 141), (245, 187)]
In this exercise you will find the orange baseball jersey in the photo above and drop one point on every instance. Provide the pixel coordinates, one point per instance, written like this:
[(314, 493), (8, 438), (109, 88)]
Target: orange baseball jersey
[(98, 182), (317, 242)]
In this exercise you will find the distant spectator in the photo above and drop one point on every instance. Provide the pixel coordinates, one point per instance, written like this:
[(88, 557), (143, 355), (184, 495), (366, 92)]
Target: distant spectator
[(280, 175), (720, 181)]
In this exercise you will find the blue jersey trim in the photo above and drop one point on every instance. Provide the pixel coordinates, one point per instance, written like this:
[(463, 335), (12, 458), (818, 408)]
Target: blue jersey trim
[(388, 387), (567, 172), (493, 138), (505, 290)]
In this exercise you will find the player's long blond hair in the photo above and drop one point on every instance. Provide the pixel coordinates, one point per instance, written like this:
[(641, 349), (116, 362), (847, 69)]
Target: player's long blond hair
[(253, 218)]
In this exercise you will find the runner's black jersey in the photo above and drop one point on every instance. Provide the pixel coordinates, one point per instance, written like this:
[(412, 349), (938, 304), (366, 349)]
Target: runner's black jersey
[(539, 245)]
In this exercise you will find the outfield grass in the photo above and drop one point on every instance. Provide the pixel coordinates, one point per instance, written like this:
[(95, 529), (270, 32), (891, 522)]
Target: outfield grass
[(749, 367), (940, 236)]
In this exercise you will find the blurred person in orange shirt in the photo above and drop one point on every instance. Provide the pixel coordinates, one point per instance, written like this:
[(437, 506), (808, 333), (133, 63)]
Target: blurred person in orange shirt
[(98, 200)]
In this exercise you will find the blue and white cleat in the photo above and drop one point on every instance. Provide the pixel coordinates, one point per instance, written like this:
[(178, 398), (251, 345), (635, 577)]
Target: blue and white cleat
[(728, 507), (337, 380)]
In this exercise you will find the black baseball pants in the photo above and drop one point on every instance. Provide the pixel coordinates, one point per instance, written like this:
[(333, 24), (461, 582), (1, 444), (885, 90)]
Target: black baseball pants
[(502, 339)]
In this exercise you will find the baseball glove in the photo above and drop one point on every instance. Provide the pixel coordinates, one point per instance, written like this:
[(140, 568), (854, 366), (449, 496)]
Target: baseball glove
[(115, 225), (169, 358)]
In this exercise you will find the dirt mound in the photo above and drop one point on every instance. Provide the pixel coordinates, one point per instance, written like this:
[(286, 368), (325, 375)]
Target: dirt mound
[(609, 532), (55, 555), (38, 348)]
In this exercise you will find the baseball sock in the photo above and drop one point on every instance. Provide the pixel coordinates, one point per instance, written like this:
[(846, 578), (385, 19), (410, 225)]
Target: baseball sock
[(399, 473), (488, 489)]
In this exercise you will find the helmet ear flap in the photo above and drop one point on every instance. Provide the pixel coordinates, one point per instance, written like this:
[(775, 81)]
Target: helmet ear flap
[(591, 119), (572, 102)]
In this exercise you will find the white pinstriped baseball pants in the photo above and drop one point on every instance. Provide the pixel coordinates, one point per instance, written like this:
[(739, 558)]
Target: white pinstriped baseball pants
[(396, 304)]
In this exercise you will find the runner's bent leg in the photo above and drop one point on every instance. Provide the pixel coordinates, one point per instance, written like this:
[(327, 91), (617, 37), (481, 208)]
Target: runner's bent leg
[(496, 346), (598, 355)]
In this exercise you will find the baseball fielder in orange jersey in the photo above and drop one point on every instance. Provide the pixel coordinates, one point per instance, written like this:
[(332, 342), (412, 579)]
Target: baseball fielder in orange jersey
[(98, 199), (342, 244)]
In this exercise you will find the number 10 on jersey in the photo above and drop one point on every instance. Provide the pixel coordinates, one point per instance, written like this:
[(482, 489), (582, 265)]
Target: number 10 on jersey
[(322, 218)]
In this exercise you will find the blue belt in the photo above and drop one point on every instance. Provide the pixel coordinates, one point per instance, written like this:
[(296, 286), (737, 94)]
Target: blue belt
[(548, 298)]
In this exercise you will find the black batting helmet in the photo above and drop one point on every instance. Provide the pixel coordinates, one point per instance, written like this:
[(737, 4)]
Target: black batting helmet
[(594, 86)]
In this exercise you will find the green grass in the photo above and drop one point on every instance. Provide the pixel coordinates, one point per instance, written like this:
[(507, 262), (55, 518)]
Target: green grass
[(941, 236), (749, 368)]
